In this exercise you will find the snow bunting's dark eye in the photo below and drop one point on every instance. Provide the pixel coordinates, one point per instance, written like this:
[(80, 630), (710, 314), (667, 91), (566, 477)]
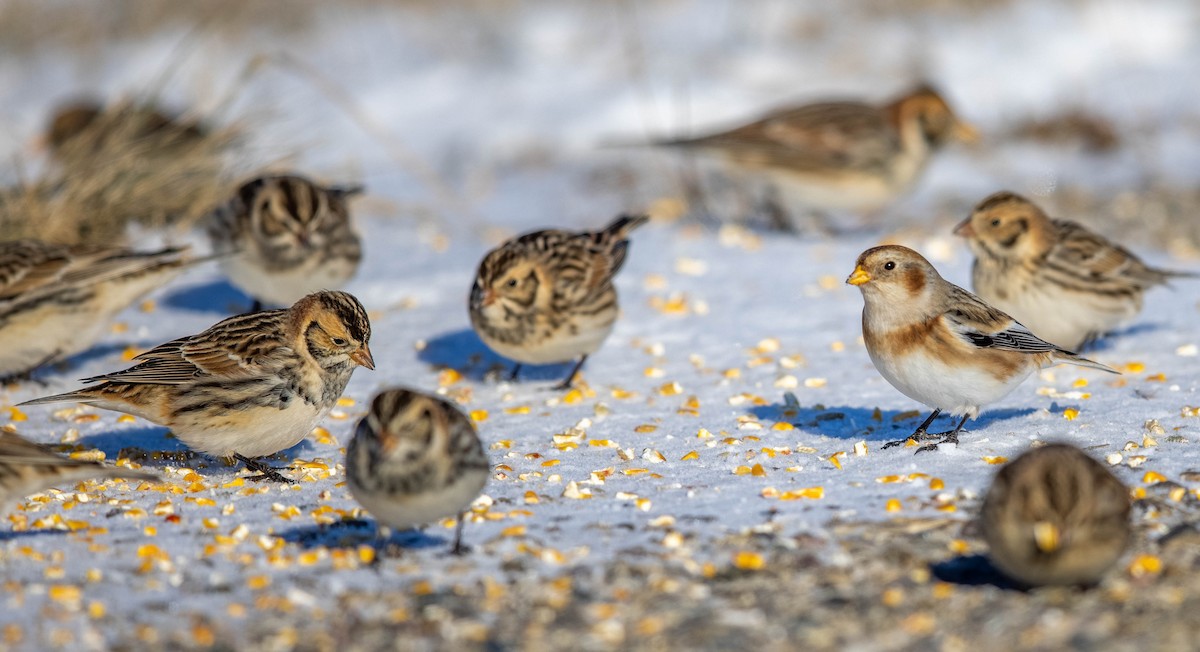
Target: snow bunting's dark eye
[(337, 341), (996, 222), (889, 265), (512, 283)]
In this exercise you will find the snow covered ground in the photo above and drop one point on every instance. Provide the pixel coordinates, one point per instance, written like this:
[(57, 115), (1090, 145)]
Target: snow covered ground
[(684, 432)]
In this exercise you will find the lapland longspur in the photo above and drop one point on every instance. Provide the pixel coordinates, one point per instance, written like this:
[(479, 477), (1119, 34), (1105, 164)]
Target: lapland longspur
[(27, 468), (57, 300), (287, 237), (842, 155), (415, 459), (1054, 515), (941, 345), (89, 124), (251, 385), (1066, 283), (547, 297)]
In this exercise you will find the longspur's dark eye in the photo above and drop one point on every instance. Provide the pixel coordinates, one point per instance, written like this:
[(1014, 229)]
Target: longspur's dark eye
[(889, 265), (996, 222), (512, 283), (337, 341)]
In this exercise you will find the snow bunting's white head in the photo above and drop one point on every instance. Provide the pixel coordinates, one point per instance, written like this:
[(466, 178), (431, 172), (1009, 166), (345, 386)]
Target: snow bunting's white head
[(1066, 283), (414, 459), (547, 297), (939, 344), (1054, 515)]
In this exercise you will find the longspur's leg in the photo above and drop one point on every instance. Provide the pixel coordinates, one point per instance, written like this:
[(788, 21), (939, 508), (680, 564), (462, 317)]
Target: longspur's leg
[(265, 472), (512, 377), (570, 379), (458, 546), (920, 434), (257, 306)]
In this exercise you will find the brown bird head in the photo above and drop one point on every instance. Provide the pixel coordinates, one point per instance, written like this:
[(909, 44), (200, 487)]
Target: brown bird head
[(937, 122), (333, 328), (291, 213), (1006, 226), (405, 423), (894, 274), (508, 280)]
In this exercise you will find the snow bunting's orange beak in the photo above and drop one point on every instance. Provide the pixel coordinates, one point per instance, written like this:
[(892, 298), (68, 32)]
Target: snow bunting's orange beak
[(1045, 536), (362, 357), (859, 276), (965, 132), (964, 230)]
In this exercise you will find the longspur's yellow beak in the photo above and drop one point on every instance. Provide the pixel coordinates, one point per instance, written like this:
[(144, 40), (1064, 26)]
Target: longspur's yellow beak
[(362, 357), (965, 132), (489, 297), (859, 276), (1046, 537), (964, 229)]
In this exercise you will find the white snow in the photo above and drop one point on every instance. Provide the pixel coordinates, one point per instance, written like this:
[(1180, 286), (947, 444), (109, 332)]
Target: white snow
[(507, 110)]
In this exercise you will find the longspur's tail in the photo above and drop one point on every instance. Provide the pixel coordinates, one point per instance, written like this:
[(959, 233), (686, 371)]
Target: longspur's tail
[(620, 227), (79, 396)]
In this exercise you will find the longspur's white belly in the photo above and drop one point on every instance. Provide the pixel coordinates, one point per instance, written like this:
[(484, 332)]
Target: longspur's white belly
[(1059, 316), (283, 288), (559, 347), (959, 390), (405, 511), (63, 329), (252, 432)]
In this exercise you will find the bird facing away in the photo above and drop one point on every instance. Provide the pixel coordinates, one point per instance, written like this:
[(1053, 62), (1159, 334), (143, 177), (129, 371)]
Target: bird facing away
[(88, 123), (57, 300), (27, 468), (547, 297), (941, 345), (414, 459), (1054, 515), (1066, 283), (842, 155), (287, 237), (251, 385)]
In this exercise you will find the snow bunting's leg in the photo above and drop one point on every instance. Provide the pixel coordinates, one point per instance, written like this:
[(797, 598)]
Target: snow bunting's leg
[(920, 434), (948, 437)]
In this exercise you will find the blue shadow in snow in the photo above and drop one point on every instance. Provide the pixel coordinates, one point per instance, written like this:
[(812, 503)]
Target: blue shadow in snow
[(11, 536), (845, 422), (464, 352), (215, 296), (974, 570), (1106, 342), (153, 439), (345, 534)]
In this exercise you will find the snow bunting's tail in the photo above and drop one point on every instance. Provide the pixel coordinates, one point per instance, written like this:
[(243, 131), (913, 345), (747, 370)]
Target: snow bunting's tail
[(1067, 357)]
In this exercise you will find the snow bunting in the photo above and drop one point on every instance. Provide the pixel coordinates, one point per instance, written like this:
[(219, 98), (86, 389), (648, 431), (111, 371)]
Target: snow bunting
[(547, 297), (941, 345), (1066, 283), (27, 468), (57, 300), (250, 385), (288, 237), (415, 459), (842, 155), (1054, 515)]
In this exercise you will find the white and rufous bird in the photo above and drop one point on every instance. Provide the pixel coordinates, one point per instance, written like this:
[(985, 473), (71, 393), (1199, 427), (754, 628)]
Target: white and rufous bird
[(286, 236), (548, 297), (58, 300), (28, 468), (1055, 516), (1066, 283), (842, 155), (414, 459), (251, 385), (941, 345)]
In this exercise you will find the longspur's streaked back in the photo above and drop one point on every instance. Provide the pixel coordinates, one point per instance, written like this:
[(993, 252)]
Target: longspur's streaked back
[(548, 296)]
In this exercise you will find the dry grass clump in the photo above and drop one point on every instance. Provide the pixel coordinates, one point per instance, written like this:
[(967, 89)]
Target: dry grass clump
[(128, 162)]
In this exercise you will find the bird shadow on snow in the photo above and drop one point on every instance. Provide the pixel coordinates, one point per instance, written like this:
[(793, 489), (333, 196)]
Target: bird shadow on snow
[(974, 570), (1105, 344), (846, 422), (464, 352), (25, 534), (215, 296), (141, 445), (357, 532)]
